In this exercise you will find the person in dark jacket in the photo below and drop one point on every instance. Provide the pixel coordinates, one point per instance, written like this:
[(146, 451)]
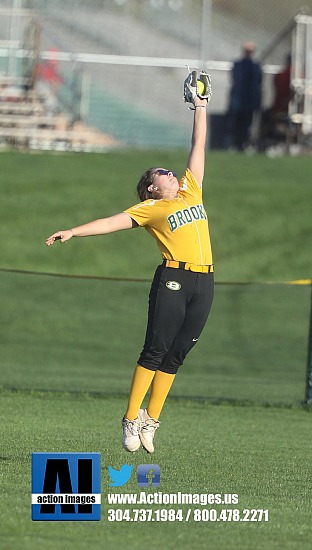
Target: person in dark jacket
[(245, 96)]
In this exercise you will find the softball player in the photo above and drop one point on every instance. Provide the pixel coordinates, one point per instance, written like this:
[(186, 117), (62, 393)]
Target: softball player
[(182, 289)]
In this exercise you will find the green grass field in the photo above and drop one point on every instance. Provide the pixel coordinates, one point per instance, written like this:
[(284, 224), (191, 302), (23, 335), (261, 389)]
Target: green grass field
[(68, 347), (260, 454), (258, 208)]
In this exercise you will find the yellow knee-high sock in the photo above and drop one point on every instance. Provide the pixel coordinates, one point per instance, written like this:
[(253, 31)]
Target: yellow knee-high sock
[(161, 385), (141, 381)]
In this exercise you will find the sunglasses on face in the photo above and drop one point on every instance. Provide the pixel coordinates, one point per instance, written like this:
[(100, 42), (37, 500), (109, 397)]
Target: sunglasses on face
[(165, 173)]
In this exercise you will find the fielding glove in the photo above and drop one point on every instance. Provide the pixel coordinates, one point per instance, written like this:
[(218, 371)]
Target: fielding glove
[(199, 86)]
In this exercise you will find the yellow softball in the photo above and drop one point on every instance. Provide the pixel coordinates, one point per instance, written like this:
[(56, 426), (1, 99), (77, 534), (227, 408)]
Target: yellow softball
[(200, 87)]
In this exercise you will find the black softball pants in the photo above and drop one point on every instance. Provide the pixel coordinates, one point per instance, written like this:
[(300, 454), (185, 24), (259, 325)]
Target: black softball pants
[(179, 305)]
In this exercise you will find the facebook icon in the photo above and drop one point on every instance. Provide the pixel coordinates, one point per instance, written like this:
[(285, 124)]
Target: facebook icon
[(147, 473)]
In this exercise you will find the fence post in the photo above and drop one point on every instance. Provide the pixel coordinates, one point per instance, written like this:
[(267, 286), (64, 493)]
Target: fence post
[(308, 394), (205, 34)]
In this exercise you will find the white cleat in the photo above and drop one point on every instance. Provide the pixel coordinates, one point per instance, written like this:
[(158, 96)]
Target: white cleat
[(130, 435), (148, 426)]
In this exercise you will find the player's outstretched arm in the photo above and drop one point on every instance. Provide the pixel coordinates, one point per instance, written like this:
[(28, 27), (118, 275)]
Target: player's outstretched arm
[(102, 226), (196, 160)]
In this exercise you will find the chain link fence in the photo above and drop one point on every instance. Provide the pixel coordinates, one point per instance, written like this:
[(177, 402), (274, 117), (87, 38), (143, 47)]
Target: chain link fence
[(122, 62)]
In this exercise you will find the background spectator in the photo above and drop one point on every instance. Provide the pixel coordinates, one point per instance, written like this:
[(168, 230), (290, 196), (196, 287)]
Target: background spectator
[(245, 96), (282, 92)]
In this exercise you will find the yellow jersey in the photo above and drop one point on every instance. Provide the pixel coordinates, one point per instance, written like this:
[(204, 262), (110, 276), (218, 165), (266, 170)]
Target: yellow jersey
[(180, 225)]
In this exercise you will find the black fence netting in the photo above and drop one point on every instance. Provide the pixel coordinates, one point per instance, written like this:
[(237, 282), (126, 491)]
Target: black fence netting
[(62, 333)]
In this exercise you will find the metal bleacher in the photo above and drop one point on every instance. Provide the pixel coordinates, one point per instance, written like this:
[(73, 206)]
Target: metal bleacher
[(25, 122)]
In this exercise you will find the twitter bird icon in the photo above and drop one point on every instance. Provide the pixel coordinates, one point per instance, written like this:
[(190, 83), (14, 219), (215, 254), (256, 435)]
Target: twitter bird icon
[(120, 477)]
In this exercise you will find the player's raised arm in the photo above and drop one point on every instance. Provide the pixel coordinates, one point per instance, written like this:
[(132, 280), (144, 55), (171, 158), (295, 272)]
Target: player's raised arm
[(197, 90), (102, 226), (196, 160)]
